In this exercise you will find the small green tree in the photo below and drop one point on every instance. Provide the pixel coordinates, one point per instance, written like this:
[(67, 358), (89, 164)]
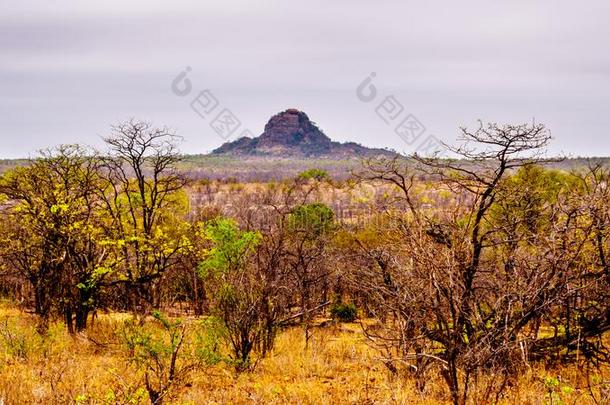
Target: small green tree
[(310, 227), (316, 174), (311, 221), (242, 293)]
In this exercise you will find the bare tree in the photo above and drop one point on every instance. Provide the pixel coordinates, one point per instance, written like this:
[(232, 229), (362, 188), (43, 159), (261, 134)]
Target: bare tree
[(450, 298)]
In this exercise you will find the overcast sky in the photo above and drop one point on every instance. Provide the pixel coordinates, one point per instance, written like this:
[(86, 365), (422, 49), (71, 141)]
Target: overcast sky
[(68, 70)]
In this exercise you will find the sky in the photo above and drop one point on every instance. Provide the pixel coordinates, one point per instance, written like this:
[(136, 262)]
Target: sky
[(71, 69)]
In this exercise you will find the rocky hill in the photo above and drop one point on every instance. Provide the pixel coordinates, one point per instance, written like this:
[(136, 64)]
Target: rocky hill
[(292, 134)]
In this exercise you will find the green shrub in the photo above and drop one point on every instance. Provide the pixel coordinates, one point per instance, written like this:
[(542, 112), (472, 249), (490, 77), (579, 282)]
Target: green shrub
[(315, 219), (316, 174), (344, 312)]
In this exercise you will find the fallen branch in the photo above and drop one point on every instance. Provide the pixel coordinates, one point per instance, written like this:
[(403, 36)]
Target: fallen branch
[(300, 314)]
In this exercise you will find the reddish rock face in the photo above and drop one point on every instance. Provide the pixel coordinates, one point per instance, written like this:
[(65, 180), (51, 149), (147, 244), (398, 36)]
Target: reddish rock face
[(291, 133), (291, 128)]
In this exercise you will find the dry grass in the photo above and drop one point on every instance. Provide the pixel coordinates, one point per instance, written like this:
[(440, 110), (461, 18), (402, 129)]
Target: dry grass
[(338, 367)]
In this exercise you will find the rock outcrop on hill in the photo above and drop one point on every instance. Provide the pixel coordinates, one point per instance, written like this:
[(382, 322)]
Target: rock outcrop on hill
[(292, 134)]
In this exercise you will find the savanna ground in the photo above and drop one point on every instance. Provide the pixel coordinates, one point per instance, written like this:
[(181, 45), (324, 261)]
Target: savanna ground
[(337, 367)]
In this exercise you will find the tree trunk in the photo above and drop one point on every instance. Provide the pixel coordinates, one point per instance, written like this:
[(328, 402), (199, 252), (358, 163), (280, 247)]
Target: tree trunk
[(81, 318), (68, 319)]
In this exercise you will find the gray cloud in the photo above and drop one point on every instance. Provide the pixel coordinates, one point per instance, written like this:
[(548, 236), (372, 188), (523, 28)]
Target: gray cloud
[(69, 70)]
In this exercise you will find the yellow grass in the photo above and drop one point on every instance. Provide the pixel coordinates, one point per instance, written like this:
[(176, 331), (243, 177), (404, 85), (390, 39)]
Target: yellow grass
[(338, 367)]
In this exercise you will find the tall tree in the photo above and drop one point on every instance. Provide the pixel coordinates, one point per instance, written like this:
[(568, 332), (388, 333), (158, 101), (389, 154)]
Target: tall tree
[(144, 196)]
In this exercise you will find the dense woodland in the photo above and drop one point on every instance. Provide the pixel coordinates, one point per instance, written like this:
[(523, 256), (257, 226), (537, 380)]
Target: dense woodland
[(469, 270)]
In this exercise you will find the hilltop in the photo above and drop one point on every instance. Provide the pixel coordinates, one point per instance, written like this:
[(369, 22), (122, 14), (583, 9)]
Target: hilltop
[(292, 134)]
